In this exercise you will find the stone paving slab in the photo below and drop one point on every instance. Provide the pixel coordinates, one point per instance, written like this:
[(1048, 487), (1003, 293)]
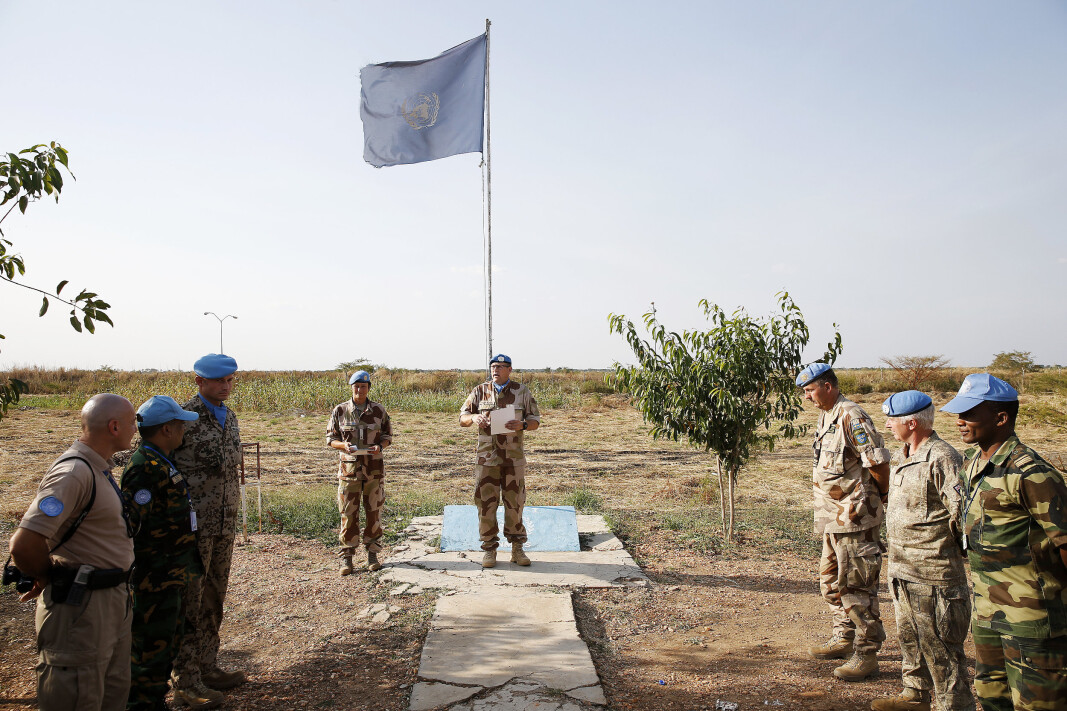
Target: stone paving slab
[(548, 528)]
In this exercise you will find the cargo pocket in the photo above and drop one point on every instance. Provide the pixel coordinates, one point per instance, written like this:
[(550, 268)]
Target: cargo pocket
[(348, 468), (864, 565), (1048, 660), (952, 614)]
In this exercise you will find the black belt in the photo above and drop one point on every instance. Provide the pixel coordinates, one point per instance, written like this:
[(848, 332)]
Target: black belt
[(62, 578)]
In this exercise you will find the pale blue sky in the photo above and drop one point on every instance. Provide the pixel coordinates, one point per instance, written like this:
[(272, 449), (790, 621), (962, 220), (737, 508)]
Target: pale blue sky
[(899, 168)]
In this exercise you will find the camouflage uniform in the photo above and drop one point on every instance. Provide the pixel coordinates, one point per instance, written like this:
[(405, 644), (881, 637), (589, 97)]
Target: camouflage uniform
[(166, 562), (361, 476), (209, 458), (927, 578), (848, 515), (1016, 525), (501, 463)]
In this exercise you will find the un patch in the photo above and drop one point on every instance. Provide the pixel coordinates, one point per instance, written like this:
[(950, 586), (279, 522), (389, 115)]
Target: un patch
[(143, 496), (859, 434), (50, 506)]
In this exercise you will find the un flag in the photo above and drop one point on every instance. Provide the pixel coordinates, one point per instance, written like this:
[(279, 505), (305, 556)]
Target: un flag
[(424, 110)]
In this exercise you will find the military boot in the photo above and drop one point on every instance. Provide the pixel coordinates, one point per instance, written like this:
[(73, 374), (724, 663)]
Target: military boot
[(219, 679), (372, 561), (346, 565), (517, 555), (198, 697), (489, 559), (836, 648), (860, 666), (908, 700)]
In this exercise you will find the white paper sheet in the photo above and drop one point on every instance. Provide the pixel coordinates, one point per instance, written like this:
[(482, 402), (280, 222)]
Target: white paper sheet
[(499, 418)]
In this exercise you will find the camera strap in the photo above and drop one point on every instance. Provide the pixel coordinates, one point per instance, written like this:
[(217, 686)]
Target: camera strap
[(85, 512)]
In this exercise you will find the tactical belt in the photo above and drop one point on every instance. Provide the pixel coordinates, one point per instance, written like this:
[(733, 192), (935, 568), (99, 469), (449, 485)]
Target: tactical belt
[(62, 578)]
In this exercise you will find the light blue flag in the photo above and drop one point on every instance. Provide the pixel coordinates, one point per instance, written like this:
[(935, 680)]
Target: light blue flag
[(424, 110)]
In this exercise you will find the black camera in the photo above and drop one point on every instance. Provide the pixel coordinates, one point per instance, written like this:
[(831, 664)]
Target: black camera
[(12, 574)]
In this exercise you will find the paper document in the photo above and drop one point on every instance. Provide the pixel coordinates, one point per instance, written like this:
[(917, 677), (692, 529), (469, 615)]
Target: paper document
[(499, 418)]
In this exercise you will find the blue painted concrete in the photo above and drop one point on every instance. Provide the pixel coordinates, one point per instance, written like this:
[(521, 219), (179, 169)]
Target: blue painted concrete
[(549, 528)]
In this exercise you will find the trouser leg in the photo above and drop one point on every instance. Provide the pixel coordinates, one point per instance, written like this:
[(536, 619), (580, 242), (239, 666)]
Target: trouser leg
[(348, 500), (1037, 673), (942, 617), (157, 622), (859, 563), (216, 582), (513, 484), (830, 587), (913, 672), (486, 499), (990, 672), (373, 505)]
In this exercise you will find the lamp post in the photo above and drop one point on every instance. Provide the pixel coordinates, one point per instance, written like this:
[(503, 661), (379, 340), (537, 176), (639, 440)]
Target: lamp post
[(223, 318)]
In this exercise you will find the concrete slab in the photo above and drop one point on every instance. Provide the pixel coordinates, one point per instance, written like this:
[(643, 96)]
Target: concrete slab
[(549, 528), (519, 696), (590, 694), (429, 696)]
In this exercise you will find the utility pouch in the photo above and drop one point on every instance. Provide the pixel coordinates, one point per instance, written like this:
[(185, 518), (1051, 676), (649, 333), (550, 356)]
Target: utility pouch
[(76, 592)]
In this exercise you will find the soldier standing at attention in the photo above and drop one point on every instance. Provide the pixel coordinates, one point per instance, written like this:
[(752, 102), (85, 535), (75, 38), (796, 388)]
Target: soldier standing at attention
[(209, 459), (1015, 508), (927, 578), (164, 546), (75, 541), (501, 463), (361, 430), (850, 478)]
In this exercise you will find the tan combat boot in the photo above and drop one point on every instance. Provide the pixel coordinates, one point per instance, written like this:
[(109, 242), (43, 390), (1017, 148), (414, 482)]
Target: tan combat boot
[(517, 555), (198, 697), (372, 561), (219, 679), (858, 667), (489, 559), (346, 565), (836, 648), (908, 700)]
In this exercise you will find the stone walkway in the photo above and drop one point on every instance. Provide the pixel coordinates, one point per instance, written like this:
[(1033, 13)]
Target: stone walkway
[(498, 638)]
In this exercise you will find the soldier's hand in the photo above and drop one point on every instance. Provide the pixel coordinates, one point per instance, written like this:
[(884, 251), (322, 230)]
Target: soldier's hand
[(37, 589), (513, 425), (482, 420)]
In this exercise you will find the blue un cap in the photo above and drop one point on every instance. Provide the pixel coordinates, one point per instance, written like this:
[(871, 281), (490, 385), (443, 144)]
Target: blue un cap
[(360, 376), (500, 358), (215, 365), (978, 388), (906, 403), (159, 409), (811, 372)]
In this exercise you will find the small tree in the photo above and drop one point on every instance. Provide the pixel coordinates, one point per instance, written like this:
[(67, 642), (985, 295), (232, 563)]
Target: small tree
[(916, 370), (1015, 362), (26, 177), (729, 390)]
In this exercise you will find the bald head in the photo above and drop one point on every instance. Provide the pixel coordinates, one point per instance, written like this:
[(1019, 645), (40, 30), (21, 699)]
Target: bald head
[(108, 423)]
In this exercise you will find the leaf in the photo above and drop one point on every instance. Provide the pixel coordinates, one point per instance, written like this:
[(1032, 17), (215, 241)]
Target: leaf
[(61, 285), (23, 202), (89, 324), (76, 324), (44, 306)]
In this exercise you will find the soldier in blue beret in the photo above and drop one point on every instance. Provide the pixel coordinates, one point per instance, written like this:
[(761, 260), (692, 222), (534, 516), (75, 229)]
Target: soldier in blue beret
[(851, 477), (209, 459), (926, 570)]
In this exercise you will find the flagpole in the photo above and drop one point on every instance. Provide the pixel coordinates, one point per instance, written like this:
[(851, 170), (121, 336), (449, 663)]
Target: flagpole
[(489, 211)]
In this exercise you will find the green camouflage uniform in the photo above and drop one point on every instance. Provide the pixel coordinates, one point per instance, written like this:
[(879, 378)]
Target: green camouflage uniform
[(848, 515), (926, 573), (361, 476), (166, 561), (210, 459), (501, 463), (1016, 525)]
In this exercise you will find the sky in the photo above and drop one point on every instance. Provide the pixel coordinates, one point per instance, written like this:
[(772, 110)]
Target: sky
[(900, 168)]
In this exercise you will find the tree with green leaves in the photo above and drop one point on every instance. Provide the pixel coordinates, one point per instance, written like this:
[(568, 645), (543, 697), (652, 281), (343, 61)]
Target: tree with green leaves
[(729, 389), (26, 177), (1015, 362)]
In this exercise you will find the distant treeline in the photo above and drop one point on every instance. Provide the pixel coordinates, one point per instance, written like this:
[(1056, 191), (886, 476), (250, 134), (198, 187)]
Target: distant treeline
[(428, 391)]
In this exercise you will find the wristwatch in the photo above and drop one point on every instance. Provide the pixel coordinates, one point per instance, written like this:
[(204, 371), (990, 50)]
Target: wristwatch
[(525, 424)]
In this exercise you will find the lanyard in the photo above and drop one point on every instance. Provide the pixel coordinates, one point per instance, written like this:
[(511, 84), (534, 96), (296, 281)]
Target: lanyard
[(161, 455)]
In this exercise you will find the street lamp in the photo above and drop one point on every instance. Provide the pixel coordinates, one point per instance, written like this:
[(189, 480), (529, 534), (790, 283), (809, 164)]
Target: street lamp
[(212, 313)]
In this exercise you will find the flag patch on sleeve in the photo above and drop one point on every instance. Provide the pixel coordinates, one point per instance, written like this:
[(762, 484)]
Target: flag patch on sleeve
[(859, 434)]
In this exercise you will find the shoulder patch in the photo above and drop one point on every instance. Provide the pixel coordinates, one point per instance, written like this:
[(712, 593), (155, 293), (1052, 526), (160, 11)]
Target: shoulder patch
[(50, 506), (859, 433), (958, 489), (143, 496)]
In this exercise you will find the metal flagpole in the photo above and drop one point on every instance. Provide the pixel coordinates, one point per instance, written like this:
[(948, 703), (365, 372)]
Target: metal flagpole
[(488, 212)]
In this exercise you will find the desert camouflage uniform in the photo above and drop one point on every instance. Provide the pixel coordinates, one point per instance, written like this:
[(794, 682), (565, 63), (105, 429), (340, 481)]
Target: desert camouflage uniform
[(927, 578), (848, 515), (166, 562), (1016, 509), (501, 463), (210, 459), (361, 476)]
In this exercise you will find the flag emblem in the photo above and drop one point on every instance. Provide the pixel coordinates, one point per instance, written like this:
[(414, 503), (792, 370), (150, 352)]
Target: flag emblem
[(423, 111)]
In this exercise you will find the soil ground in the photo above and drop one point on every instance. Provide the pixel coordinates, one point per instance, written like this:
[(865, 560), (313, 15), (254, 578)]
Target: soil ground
[(722, 622)]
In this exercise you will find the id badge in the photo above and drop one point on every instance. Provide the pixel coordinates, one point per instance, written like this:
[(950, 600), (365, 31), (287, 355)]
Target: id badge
[(192, 520), (965, 541)]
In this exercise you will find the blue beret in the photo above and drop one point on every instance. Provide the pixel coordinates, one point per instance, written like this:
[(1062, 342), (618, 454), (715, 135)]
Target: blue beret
[(159, 409), (360, 376), (500, 358), (215, 365), (906, 403), (811, 372), (976, 389)]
